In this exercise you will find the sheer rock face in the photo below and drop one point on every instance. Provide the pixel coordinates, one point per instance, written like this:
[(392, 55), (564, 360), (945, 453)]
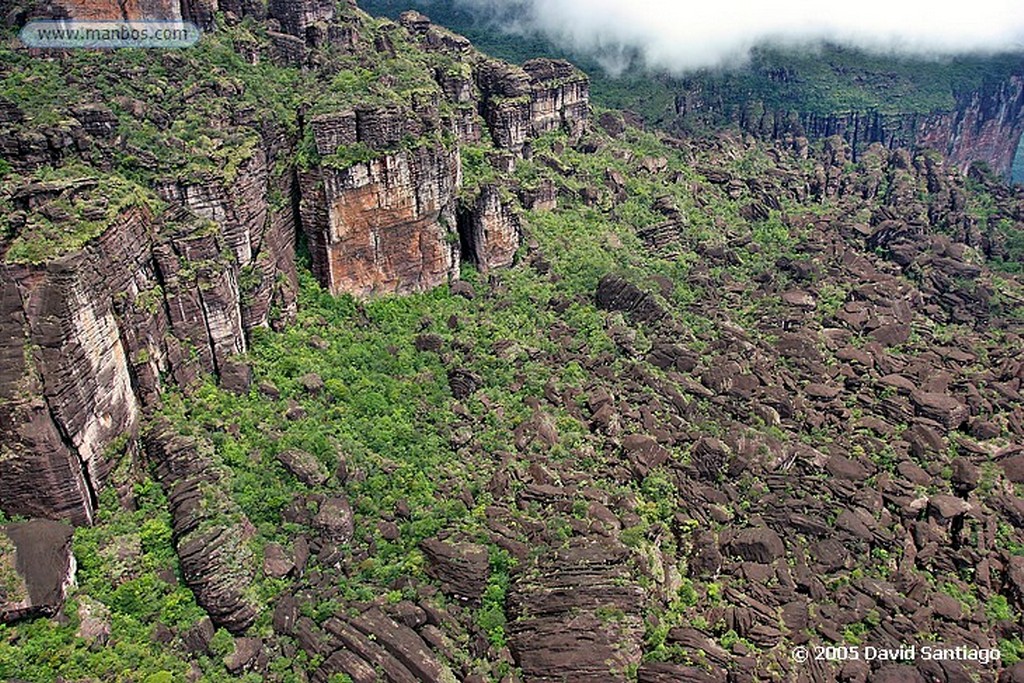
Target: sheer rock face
[(199, 12), (490, 229), (301, 18), (985, 125), (93, 10), (386, 225), (86, 338), (36, 568)]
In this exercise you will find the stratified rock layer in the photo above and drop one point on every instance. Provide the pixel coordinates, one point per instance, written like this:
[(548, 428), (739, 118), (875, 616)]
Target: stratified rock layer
[(89, 338), (209, 531)]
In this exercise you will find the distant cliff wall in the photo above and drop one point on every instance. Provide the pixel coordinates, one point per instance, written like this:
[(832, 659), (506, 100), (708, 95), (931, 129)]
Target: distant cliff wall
[(985, 125)]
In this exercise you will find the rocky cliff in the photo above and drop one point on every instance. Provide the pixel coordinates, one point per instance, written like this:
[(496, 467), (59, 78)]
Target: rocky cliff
[(107, 306), (975, 121), (695, 402), (92, 334)]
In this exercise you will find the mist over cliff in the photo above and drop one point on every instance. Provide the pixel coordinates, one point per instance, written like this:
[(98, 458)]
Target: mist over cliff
[(681, 36)]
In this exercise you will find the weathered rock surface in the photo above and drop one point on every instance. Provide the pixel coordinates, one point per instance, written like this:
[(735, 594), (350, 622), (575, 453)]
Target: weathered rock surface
[(984, 125), (90, 338), (385, 225), (490, 229), (304, 466), (36, 568), (209, 531), (460, 568), (560, 633)]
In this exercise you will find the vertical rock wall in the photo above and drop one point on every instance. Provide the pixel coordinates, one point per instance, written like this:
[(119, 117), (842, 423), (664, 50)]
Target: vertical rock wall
[(986, 125), (87, 340), (491, 229)]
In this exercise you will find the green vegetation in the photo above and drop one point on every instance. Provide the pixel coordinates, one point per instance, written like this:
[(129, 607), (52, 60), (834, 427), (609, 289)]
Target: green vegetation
[(126, 578), (381, 416), (87, 202)]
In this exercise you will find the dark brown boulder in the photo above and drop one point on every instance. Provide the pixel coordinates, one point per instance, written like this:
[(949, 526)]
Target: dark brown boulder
[(463, 383), (235, 376), (461, 568), (197, 639), (334, 520), (286, 614), (710, 458), (966, 476), (891, 335), (615, 293), (463, 289), (428, 342), (561, 628), (36, 568), (1013, 468), (898, 674), (276, 563), (845, 468), (612, 123), (244, 655), (644, 453), (303, 466), (672, 356), (1013, 674), (942, 408), (756, 545), (666, 672)]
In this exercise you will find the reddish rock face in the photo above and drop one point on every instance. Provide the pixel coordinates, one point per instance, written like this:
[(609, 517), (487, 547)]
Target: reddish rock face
[(93, 10), (985, 127), (386, 225)]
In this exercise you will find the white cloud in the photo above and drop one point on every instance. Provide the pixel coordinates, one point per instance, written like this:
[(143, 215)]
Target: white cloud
[(685, 34)]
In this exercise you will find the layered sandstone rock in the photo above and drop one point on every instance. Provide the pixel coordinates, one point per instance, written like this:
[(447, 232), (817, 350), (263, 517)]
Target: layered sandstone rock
[(89, 337), (386, 225), (209, 531), (521, 103), (517, 103), (985, 125), (563, 630)]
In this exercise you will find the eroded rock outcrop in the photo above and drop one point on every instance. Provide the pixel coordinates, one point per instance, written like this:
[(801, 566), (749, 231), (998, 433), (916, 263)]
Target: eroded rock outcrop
[(490, 229), (91, 335), (386, 225), (579, 617), (541, 96), (209, 531), (36, 568)]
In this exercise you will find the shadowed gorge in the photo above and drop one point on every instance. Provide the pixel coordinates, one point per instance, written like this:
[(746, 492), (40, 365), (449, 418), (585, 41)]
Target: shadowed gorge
[(334, 349)]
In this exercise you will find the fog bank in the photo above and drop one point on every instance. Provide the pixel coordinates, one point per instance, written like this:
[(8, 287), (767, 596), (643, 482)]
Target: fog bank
[(685, 35)]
